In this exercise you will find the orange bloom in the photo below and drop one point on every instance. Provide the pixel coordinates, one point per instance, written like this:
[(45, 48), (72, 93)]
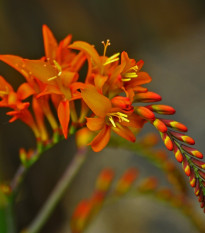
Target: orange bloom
[(55, 75), (114, 114), (11, 99)]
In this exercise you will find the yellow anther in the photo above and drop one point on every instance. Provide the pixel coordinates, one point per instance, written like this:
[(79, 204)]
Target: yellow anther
[(112, 59), (52, 78), (4, 92), (58, 67), (121, 117), (135, 68), (112, 121), (130, 74)]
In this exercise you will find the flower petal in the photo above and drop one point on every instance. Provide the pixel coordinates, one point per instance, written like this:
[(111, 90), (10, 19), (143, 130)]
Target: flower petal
[(64, 116), (88, 49), (135, 121), (142, 78), (40, 69), (99, 81), (98, 103), (50, 43), (95, 124), (5, 86), (15, 62), (24, 91), (126, 62), (68, 77), (50, 89), (101, 140), (124, 132), (63, 55)]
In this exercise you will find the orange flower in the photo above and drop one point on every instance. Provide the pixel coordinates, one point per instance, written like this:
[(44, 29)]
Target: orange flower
[(114, 114), (110, 77), (11, 99), (55, 74)]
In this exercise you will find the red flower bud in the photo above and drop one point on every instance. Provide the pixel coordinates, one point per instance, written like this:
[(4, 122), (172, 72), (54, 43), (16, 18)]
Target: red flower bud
[(192, 151), (161, 109)]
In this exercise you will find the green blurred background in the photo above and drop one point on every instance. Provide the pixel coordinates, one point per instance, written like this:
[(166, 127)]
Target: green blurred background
[(168, 35)]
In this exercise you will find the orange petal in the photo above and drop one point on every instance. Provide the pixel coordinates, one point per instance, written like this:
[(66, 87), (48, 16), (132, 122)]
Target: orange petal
[(5, 86), (15, 62), (68, 77), (50, 89), (39, 116), (24, 91), (40, 69), (78, 61), (100, 81), (140, 64), (126, 62), (124, 132), (135, 121), (50, 43), (101, 140), (142, 78), (98, 103), (95, 123), (64, 116), (62, 51), (88, 49)]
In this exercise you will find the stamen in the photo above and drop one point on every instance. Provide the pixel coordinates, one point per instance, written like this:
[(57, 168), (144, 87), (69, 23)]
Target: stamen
[(52, 78), (112, 121), (58, 67), (4, 93), (112, 59), (105, 46), (121, 117), (135, 68), (129, 74)]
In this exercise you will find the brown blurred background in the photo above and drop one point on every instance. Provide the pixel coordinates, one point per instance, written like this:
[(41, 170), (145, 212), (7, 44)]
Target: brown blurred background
[(168, 35)]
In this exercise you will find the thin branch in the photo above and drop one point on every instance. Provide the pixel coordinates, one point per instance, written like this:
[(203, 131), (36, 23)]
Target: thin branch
[(57, 193)]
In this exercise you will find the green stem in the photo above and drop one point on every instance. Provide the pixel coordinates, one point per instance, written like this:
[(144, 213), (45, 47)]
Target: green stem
[(10, 218), (57, 193)]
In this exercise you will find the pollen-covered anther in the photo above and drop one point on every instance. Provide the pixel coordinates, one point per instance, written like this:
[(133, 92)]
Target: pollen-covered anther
[(131, 73), (113, 58), (2, 93), (58, 67), (121, 117)]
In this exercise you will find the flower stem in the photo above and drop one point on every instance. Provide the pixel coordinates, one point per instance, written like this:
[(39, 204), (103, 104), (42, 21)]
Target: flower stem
[(57, 193)]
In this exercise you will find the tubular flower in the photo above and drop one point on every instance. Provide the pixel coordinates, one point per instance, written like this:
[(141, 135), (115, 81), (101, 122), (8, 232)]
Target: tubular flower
[(109, 75), (116, 114), (112, 98), (11, 99), (54, 75)]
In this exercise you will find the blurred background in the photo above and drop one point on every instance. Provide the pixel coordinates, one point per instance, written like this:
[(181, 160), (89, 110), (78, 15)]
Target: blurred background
[(169, 36)]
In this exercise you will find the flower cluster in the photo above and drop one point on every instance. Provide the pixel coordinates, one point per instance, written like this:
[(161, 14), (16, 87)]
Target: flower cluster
[(111, 99)]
